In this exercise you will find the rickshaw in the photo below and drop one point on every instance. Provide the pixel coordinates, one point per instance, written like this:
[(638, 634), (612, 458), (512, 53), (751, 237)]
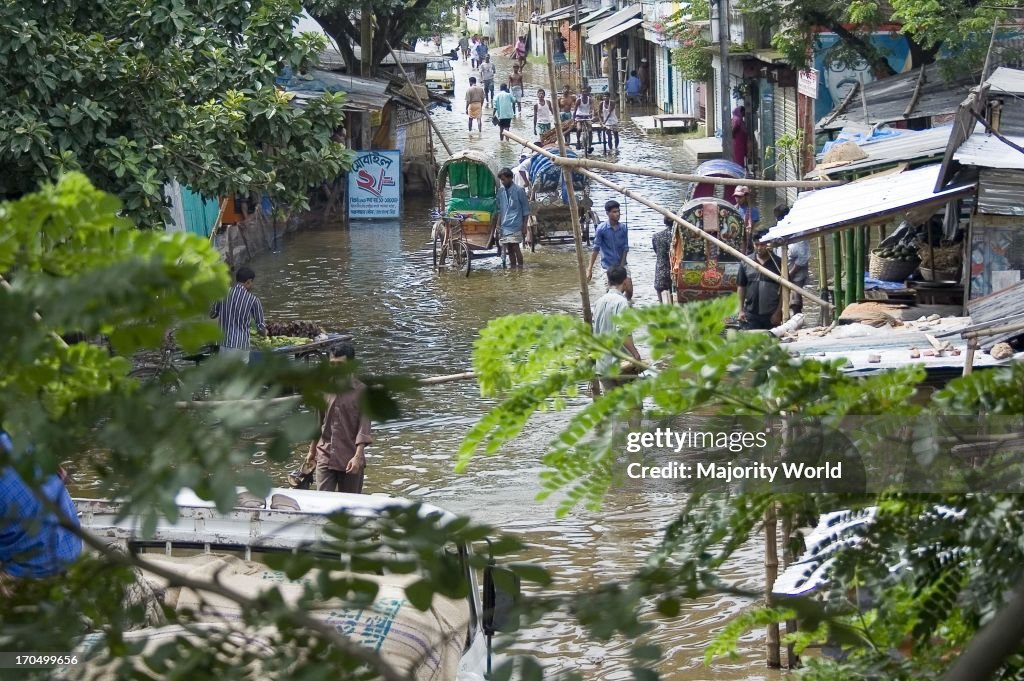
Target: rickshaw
[(549, 201), (700, 270), (466, 225)]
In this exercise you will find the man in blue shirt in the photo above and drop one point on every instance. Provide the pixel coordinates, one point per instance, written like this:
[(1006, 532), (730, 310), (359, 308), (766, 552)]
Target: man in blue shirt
[(633, 86), (33, 544), (514, 212), (611, 241), (504, 109)]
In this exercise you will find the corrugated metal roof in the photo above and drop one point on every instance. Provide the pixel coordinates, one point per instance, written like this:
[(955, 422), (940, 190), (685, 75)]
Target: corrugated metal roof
[(988, 151), (1007, 80), (907, 146), (559, 13), (595, 38), (888, 98), (859, 203), (593, 16), (330, 58), (619, 17), (999, 191), (361, 94)]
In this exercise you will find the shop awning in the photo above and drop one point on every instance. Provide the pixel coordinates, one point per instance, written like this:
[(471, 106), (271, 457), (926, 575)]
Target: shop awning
[(610, 27), (869, 201), (592, 17), (555, 15)]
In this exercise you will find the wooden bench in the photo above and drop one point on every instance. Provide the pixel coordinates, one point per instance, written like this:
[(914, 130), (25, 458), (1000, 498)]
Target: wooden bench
[(689, 119)]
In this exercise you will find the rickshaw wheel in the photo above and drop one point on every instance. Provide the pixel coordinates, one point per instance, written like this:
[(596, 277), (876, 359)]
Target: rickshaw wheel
[(461, 259)]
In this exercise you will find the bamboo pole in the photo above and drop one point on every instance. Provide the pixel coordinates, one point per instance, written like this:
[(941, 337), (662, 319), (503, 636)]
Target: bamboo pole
[(435, 380), (784, 266), (593, 164), (669, 214), (972, 346), (823, 273), (859, 235), (837, 269), (851, 273), (423, 108), (574, 212), (792, 659), (771, 572)]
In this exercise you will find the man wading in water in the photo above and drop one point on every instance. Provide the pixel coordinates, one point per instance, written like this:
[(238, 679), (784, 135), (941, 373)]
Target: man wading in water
[(344, 434)]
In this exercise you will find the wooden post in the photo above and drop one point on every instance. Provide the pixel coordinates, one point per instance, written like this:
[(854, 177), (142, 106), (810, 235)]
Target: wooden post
[(823, 275), (848, 265), (771, 571), (366, 40), (972, 346), (792, 660), (784, 265), (837, 273), (859, 255), (574, 216)]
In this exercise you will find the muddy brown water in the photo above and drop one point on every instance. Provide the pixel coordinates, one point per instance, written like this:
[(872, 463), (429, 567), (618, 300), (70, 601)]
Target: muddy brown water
[(375, 280)]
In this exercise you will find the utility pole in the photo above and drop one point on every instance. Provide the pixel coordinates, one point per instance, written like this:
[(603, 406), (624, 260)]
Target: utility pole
[(366, 40), (724, 98)]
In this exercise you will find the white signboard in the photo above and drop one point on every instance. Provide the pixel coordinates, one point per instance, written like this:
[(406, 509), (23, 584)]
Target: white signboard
[(598, 86), (807, 83), (375, 185)]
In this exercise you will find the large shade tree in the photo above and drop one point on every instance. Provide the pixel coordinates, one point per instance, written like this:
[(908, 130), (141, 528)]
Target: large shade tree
[(959, 29), (138, 93), (395, 22)]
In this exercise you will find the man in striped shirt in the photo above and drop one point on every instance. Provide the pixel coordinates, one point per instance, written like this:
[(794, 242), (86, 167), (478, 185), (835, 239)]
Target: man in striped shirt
[(234, 313)]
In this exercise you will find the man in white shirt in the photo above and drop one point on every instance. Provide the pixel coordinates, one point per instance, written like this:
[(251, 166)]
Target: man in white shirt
[(608, 307)]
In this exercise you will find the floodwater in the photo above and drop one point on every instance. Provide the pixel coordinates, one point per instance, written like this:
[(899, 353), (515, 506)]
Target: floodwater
[(375, 280)]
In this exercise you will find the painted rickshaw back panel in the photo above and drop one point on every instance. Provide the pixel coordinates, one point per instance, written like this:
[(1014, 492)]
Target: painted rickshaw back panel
[(700, 270), (474, 178)]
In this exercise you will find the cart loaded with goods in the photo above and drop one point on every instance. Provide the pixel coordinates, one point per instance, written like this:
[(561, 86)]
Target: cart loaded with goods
[(298, 339)]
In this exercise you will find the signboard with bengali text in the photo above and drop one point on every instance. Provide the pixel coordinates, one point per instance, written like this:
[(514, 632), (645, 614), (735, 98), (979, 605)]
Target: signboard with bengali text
[(807, 83), (375, 185)]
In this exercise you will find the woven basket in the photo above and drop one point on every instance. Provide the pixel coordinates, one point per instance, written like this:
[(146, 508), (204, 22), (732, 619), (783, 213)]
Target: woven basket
[(886, 269), (939, 275)]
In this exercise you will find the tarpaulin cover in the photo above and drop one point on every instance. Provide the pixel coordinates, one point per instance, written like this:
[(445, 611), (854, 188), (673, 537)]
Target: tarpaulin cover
[(426, 646), (545, 175)]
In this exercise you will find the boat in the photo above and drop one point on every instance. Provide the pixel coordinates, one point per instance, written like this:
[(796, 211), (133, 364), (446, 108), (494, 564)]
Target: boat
[(449, 641)]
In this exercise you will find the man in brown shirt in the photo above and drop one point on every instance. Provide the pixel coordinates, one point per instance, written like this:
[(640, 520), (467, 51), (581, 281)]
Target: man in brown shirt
[(344, 434)]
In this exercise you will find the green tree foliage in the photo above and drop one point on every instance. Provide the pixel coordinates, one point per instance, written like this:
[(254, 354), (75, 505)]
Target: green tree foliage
[(958, 552), (959, 29), (69, 263), (691, 58), (394, 22), (138, 93)]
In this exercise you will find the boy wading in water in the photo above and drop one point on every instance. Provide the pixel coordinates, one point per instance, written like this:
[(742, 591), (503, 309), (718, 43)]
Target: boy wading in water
[(515, 84), (543, 114)]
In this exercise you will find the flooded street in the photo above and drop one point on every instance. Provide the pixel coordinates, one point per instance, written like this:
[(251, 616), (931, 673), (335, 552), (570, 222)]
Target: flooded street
[(375, 281)]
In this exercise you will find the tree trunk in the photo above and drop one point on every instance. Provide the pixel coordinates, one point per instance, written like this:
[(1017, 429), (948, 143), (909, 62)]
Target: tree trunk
[(920, 55)]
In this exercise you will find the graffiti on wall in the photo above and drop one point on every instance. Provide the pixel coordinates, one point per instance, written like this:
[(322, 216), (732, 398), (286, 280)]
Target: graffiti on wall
[(837, 76)]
